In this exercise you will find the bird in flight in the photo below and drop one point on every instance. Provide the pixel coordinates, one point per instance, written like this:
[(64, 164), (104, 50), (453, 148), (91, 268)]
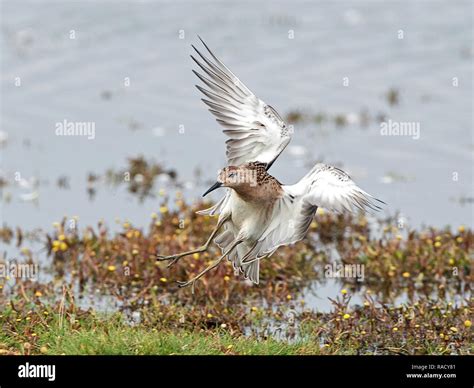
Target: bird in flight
[(258, 214)]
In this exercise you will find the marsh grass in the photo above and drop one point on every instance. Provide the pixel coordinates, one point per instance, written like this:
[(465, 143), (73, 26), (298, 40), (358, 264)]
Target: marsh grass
[(430, 270)]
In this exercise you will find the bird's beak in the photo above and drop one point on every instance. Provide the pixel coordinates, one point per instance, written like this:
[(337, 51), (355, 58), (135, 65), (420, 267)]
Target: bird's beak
[(212, 188)]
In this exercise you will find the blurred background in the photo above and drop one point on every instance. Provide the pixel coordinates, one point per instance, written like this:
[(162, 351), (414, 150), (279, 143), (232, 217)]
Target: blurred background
[(334, 69)]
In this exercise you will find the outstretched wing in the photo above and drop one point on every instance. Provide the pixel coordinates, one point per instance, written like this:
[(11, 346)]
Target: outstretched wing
[(257, 132), (331, 188), (324, 186)]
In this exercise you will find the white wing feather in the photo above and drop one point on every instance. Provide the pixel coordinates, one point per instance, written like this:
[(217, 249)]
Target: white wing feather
[(331, 188), (257, 132), (324, 186)]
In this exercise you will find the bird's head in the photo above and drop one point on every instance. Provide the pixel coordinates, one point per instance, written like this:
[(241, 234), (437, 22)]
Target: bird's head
[(234, 177)]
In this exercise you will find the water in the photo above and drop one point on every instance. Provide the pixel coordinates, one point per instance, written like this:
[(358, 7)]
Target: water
[(82, 79)]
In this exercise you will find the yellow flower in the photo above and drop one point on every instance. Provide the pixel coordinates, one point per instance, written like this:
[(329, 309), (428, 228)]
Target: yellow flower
[(467, 323), (44, 349), (461, 229), (56, 243), (437, 244), (288, 297), (163, 209), (441, 335), (459, 240), (366, 304), (451, 261), (154, 215), (343, 291), (126, 225), (362, 238), (226, 278), (453, 329), (61, 237), (230, 347), (406, 274), (111, 268), (399, 237), (163, 280), (38, 294), (209, 315), (135, 252), (438, 238), (346, 316), (314, 225), (63, 246), (125, 263), (196, 256), (395, 329), (254, 309), (45, 313), (363, 332)]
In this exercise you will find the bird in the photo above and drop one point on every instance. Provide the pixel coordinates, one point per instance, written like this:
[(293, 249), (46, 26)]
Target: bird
[(258, 214)]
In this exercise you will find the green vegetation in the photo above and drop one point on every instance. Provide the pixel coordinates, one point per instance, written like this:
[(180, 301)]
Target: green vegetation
[(415, 297)]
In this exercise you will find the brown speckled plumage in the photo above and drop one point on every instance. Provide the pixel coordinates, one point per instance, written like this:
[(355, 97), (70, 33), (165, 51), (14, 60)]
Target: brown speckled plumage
[(254, 183)]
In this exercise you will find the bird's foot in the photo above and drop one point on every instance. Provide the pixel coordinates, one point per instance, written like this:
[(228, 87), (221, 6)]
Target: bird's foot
[(172, 259), (188, 283)]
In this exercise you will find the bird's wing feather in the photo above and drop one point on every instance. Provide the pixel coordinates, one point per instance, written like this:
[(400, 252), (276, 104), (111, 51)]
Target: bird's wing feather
[(331, 188), (324, 186), (257, 132)]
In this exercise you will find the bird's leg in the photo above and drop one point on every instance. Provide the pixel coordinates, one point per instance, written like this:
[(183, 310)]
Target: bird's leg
[(250, 261), (247, 255), (175, 258), (212, 266)]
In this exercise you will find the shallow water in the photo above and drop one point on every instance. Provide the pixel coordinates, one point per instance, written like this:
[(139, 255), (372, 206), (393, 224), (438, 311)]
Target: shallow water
[(428, 180)]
